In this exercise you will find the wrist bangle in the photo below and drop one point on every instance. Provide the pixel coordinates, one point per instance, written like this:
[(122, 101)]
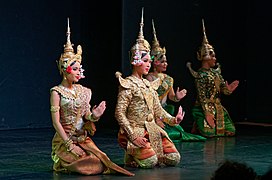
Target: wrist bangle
[(170, 121), (176, 99), (92, 118), (67, 144), (70, 148)]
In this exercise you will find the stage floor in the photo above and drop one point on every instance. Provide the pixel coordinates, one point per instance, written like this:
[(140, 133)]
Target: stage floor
[(25, 154)]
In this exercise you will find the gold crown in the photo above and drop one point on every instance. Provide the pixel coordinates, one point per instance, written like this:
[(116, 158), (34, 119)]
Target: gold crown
[(156, 49), (206, 48), (141, 44), (69, 56)]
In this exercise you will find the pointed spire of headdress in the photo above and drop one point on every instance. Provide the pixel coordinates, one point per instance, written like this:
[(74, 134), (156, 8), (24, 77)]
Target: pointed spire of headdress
[(155, 40), (156, 48), (206, 48), (205, 40), (68, 47), (141, 32), (141, 44), (68, 56)]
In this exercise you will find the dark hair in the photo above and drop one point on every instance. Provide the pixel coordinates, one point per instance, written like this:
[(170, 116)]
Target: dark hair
[(72, 63), (159, 56), (143, 55), (233, 170)]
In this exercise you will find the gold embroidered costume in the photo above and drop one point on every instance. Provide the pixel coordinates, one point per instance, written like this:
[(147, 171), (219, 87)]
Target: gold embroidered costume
[(76, 120), (210, 85), (137, 108), (176, 133)]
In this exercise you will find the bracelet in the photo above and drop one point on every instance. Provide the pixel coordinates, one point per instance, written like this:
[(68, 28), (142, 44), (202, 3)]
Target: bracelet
[(91, 117), (69, 148), (67, 144), (94, 118), (176, 99), (170, 121)]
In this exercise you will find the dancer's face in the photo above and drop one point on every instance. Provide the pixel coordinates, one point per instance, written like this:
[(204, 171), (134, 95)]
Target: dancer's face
[(161, 64), (145, 67), (74, 73)]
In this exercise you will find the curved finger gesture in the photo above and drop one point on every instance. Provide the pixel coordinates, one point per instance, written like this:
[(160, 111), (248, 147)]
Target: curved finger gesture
[(99, 110), (180, 93), (179, 116), (232, 86)]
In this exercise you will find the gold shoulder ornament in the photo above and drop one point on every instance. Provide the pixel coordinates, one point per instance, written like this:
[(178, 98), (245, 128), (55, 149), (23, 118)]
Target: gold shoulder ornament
[(218, 69), (123, 82), (193, 72), (156, 83)]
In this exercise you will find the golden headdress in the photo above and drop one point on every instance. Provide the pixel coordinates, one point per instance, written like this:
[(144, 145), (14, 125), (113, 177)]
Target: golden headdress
[(69, 56), (141, 45), (206, 49), (156, 49)]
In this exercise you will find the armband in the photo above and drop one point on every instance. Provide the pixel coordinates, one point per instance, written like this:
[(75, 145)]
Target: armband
[(54, 109)]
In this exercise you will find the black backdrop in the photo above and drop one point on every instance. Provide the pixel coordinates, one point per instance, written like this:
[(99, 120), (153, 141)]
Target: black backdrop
[(32, 35)]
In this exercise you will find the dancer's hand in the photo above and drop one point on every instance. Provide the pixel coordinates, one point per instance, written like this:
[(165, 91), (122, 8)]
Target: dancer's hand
[(211, 120), (77, 151), (179, 116), (232, 86), (99, 110), (180, 93), (140, 141), (160, 123)]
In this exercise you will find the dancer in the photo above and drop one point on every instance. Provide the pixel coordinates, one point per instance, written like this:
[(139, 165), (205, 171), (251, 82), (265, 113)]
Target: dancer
[(210, 117), (72, 147), (166, 90), (145, 143)]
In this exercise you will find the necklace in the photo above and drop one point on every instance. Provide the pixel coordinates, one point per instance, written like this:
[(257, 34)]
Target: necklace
[(72, 92), (69, 91)]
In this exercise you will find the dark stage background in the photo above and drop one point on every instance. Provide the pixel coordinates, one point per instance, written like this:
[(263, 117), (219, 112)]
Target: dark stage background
[(32, 35)]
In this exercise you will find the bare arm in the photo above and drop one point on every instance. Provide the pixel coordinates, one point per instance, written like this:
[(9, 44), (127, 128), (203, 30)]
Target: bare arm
[(171, 94), (55, 115)]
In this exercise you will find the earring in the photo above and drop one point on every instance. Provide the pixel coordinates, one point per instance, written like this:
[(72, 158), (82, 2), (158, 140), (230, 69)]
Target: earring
[(65, 78)]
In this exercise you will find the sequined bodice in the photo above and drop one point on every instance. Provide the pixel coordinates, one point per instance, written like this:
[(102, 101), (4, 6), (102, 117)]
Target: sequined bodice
[(72, 102)]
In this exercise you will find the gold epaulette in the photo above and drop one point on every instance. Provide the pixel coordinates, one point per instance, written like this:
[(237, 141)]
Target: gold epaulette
[(156, 83), (123, 82), (194, 73), (63, 93), (218, 69)]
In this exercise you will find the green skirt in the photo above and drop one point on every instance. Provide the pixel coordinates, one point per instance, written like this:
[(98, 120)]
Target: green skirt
[(177, 133), (199, 118)]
